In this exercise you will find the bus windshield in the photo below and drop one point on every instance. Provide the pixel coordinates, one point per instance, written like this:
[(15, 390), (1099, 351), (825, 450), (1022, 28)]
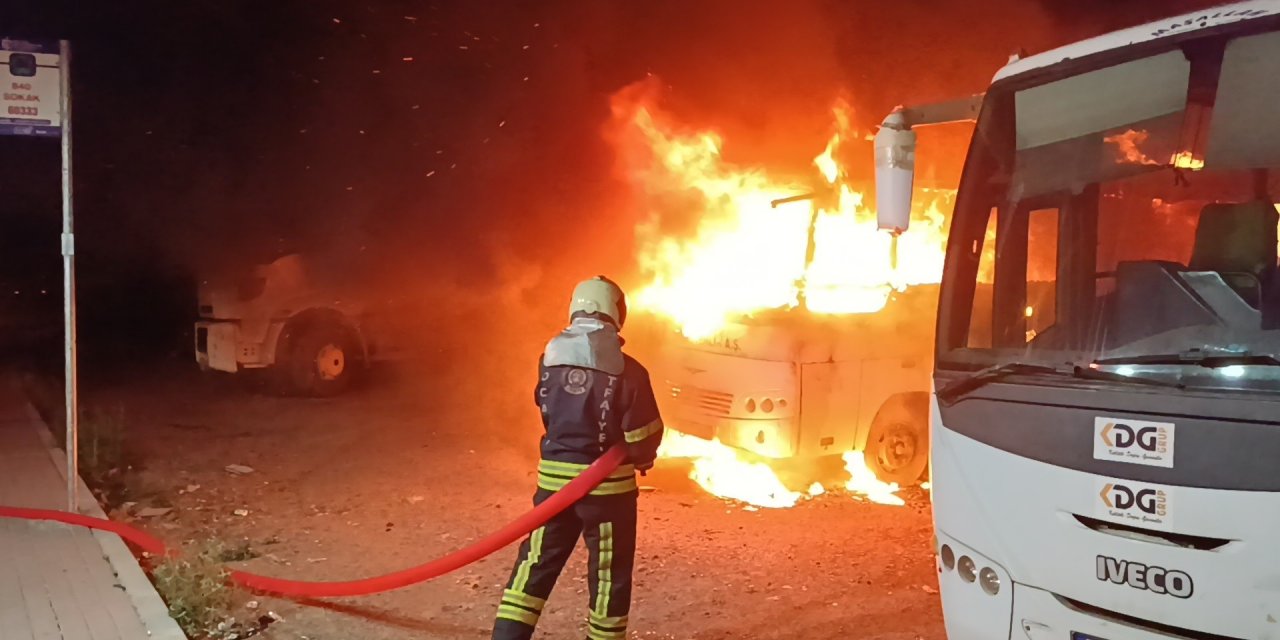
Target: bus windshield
[(1125, 215)]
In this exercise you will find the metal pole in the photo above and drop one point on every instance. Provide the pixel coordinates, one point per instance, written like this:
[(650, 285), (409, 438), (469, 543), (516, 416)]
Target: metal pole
[(69, 283)]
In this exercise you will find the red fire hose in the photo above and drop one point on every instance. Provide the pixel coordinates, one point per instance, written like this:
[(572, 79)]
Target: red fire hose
[(516, 529)]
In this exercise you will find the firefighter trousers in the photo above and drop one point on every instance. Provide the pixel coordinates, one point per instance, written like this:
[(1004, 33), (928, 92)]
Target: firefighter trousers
[(608, 524)]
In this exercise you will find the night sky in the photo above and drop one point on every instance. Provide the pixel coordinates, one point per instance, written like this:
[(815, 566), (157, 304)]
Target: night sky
[(460, 140)]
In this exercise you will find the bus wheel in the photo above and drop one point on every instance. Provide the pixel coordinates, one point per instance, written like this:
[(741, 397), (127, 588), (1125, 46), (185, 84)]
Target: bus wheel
[(898, 446), (323, 362)]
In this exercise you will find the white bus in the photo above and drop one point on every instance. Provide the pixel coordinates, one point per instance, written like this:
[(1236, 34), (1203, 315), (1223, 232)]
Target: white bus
[(1106, 464)]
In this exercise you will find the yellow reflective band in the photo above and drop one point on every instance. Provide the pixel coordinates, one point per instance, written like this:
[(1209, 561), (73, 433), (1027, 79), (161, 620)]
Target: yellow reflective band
[(622, 472), (523, 599), (607, 624), (553, 475), (571, 470), (508, 612), (551, 484), (615, 487), (572, 467), (604, 569), (644, 432), (526, 565), (609, 487), (599, 634)]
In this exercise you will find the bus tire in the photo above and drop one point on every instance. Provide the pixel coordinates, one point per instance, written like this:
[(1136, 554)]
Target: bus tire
[(322, 362), (897, 448)]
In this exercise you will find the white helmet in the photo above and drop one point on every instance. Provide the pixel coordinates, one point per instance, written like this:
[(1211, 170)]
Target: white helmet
[(599, 295)]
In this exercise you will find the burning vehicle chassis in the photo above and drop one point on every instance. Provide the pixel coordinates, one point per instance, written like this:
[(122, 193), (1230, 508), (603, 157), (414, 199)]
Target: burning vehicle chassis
[(803, 333), (791, 387)]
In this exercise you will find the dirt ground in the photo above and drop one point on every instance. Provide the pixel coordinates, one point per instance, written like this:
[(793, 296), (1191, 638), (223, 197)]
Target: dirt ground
[(423, 459)]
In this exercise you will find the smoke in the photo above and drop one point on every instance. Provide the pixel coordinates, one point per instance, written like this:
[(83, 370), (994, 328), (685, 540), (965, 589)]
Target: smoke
[(460, 142)]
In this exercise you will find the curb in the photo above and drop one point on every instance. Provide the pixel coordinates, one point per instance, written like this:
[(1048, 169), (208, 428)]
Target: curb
[(152, 610)]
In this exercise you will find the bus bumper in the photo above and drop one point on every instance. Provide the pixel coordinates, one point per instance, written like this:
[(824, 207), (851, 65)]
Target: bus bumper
[(1040, 615), (222, 346), (1017, 611)]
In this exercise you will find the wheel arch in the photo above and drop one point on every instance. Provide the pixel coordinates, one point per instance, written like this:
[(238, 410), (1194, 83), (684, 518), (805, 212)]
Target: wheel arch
[(315, 317)]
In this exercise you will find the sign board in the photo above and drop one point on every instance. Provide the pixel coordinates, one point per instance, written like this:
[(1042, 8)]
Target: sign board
[(30, 88)]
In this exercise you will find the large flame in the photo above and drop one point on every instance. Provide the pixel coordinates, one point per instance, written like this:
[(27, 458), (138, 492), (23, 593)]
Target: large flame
[(742, 252), (745, 254), (727, 473), (724, 472)]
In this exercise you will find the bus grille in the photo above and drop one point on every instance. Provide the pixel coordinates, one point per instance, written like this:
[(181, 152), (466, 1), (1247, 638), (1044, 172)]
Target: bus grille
[(712, 403)]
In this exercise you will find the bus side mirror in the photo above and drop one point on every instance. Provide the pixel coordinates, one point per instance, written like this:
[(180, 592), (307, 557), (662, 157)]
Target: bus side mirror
[(895, 149)]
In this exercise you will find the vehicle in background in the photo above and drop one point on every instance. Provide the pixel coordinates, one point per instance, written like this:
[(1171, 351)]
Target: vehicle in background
[(296, 328)]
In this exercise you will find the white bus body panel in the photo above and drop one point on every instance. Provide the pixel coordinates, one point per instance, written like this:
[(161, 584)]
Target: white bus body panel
[(1017, 515)]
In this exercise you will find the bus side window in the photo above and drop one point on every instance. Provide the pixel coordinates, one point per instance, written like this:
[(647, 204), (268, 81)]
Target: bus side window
[(984, 248), (1042, 271), (1025, 300)]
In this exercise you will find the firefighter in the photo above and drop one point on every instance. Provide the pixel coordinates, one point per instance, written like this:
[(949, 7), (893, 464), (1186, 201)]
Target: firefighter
[(592, 396)]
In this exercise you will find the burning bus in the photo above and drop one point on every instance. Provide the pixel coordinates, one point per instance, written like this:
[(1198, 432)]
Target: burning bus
[(799, 330)]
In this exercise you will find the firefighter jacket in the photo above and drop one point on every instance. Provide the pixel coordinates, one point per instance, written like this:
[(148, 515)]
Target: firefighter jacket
[(592, 396)]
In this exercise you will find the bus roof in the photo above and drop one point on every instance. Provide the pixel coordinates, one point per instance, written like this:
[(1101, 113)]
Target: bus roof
[(1203, 19)]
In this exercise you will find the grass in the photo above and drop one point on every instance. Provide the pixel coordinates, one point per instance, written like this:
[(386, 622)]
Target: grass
[(102, 445), (195, 587), (194, 584), (101, 431)]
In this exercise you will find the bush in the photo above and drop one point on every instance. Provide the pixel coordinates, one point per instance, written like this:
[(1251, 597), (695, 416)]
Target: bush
[(196, 589)]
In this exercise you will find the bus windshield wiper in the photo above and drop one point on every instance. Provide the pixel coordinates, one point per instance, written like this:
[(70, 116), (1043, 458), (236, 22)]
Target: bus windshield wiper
[(954, 390), (1211, 359)]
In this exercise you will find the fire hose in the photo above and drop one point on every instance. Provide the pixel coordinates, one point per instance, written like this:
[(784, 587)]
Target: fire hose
[(516, 529)]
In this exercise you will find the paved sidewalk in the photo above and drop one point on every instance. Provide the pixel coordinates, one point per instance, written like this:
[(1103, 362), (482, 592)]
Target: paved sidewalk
[(57, 581)]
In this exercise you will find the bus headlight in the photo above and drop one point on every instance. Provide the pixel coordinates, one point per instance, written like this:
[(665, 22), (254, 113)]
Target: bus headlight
[(948, 556), (977, 597), (989, 580)]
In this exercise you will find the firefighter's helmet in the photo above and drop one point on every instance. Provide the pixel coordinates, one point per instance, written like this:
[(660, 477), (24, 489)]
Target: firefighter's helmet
[(599, 295)]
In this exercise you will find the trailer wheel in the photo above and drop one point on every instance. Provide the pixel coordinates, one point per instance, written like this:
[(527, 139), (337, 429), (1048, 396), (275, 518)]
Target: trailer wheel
[(898, 445), (322, 362)]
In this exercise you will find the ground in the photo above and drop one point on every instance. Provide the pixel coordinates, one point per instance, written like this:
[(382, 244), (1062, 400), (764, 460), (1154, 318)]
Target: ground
[(423, 459)]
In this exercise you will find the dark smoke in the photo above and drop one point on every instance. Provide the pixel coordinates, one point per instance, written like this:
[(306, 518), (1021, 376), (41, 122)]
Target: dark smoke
[(459, 144)]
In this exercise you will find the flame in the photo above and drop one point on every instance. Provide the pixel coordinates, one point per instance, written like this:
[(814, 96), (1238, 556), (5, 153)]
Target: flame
[(1187, 160), (1127, 144), (1127, 148), (745, 255), (725, 472), (863, 481)]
